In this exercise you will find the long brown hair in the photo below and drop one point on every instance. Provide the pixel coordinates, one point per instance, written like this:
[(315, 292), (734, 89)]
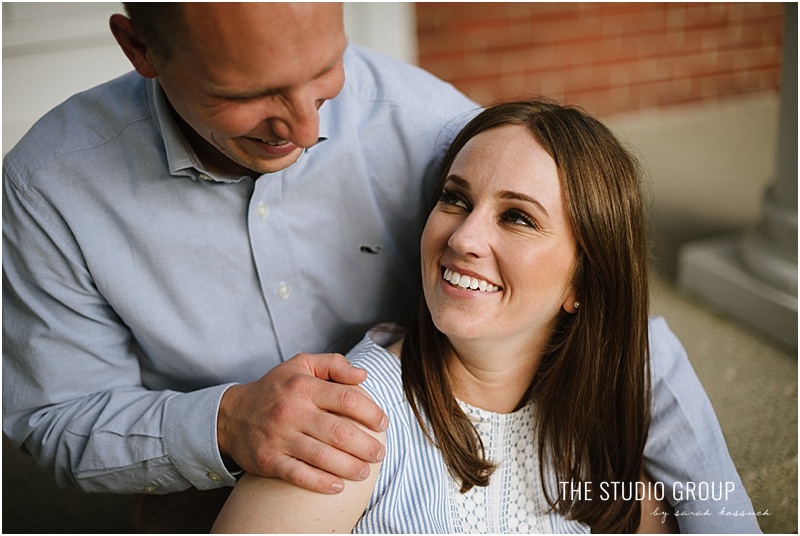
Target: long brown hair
[(592, 388)]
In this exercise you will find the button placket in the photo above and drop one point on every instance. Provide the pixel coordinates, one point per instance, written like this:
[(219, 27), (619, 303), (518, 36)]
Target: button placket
[(262, 210), (284, 290), (272, 254)]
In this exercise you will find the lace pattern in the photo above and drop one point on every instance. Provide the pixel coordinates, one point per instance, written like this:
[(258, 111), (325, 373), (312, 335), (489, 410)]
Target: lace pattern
[(514, 501)]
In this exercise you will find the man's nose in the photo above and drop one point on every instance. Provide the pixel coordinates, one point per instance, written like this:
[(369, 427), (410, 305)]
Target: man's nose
[(299, 123)]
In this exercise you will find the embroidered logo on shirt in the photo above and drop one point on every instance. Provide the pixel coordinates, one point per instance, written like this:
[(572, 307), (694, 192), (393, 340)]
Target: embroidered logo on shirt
[(373, 250)]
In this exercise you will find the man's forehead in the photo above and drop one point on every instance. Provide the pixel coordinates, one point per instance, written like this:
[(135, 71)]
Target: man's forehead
[(270, 18), (280, 80), (254, 50)]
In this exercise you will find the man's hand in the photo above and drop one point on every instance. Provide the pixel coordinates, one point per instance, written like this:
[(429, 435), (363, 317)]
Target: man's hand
[(291, 423)]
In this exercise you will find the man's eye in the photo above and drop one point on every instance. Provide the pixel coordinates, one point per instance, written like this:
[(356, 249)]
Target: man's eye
[(244, 99)]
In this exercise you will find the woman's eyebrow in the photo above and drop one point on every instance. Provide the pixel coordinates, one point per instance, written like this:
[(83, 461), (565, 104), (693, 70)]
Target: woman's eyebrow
[(460, 182), (507, 194), (504, 194)]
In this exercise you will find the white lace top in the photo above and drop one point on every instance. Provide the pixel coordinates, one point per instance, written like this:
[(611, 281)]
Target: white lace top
[(415, 492), (513, 494)]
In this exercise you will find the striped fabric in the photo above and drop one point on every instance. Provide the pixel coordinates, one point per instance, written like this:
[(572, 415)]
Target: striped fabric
[(415, 493)]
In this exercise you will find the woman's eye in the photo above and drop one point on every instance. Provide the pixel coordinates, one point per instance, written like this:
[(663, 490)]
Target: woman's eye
[(449, 198), (517, 217)]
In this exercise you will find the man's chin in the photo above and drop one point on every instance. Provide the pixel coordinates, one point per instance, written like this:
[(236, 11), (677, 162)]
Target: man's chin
[(265, 165), (279, 164)]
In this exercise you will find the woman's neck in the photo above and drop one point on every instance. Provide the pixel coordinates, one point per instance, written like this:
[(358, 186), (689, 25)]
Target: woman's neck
[(493, 376)]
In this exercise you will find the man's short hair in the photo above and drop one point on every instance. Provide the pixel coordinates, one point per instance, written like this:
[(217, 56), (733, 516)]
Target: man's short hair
[(158, 24)]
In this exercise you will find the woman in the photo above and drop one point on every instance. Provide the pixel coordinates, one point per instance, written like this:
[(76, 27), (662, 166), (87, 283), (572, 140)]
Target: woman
[(525, 376)]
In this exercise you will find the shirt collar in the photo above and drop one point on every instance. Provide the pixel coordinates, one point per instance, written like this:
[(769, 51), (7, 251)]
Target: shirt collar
[(181, 157)]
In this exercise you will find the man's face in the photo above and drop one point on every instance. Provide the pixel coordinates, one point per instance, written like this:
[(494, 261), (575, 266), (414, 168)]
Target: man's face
[(249, 79)]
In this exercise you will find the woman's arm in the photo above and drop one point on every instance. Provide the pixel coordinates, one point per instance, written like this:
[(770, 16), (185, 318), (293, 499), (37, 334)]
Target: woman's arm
[(270, 505)]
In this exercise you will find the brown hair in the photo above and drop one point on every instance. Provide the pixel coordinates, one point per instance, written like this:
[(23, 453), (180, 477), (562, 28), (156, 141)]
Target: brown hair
[(592, 388), (158, 24)]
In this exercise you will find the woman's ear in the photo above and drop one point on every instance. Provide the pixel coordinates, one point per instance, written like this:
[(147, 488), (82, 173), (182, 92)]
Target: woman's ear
[(571, 303), (131, 45)]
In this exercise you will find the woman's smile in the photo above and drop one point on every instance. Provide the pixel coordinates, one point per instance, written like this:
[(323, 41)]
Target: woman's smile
[(467, 282)]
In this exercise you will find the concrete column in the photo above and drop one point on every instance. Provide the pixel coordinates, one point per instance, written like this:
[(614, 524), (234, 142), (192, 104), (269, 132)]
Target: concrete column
[(769, 250), (752, 276)]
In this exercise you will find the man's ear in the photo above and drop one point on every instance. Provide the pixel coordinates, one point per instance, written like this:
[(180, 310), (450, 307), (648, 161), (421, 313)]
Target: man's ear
[(131, 45)]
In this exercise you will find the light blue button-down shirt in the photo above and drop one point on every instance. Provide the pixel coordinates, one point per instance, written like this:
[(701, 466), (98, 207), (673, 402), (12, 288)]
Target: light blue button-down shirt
[(138, 286)]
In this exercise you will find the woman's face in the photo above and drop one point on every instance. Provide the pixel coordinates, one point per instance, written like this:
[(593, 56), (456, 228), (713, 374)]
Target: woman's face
[(497, 251)]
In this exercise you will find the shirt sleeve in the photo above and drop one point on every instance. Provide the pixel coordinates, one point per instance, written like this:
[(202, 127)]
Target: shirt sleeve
[(72, 391), (685, 448)]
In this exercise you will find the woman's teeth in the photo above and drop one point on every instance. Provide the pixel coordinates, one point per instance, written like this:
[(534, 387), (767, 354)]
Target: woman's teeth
[(466, 282), (276, 143)]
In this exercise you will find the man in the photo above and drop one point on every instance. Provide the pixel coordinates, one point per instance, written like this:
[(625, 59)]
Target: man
[(174, 237), (161, 255)]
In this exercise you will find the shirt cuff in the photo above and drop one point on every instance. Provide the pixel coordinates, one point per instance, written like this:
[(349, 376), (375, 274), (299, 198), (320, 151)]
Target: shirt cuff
[(190, 437)]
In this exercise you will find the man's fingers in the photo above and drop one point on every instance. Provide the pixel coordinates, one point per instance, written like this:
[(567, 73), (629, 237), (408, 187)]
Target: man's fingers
[(305, 476), (351, 402), (336, 397), (297, 424), (341, 371), (332, 460), (334, 367), (347, 440), (313, 462)]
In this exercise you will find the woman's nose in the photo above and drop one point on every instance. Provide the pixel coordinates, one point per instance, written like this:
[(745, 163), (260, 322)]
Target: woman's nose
[(471, 237)]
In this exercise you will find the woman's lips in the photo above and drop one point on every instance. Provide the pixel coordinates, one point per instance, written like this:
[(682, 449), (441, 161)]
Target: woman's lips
[(467, 282)]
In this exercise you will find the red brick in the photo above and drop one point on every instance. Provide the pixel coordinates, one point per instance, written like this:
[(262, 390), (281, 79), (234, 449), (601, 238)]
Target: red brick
[(615, 56)]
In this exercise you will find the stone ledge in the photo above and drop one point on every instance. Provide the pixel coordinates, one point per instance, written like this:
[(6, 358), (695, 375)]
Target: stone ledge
[(710, 270)]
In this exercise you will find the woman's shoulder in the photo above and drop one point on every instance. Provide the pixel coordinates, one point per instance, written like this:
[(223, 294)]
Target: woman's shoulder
[(384, 381)]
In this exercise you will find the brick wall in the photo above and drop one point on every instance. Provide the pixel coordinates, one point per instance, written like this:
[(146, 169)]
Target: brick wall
[(607, 57)]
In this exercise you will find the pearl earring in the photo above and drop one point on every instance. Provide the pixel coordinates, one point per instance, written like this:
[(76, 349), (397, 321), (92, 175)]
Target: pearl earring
[(577, 304)]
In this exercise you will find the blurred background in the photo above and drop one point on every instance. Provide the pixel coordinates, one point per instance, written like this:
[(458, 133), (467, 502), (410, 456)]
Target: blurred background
[(704, 93)]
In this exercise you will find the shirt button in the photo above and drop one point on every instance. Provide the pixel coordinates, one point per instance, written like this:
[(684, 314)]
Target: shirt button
[(284, 290), (149, 489), (262, 210), (204, 177), (214, 476)]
